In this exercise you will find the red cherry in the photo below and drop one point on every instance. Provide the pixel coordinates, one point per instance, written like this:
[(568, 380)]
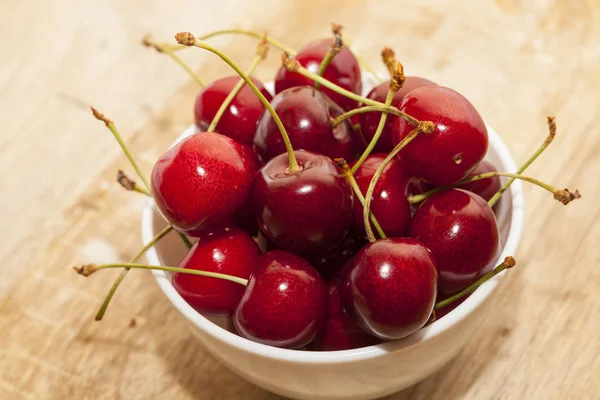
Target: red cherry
[(369, 121), (343, 70), (306, 114), (390, 198), (390, 287), (285, 302), (456, 146), (227, 250), (485, 188), (333, 260), (341, 331), (240, 118), (202, 181), (461, 231), (308, 212)]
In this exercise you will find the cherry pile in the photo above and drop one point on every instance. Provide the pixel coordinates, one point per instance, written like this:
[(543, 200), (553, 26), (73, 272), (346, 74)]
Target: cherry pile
[(372, 212)]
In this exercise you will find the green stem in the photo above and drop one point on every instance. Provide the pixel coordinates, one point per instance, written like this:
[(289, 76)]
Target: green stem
[(508, 262), (188, 39), (354, 185), (361, 110), (217, 275), (534, 156), (185, 240), (236, 89), (113, 129), (334, 50), (377, 175), (117, 283), (388, 101), (417, 198)]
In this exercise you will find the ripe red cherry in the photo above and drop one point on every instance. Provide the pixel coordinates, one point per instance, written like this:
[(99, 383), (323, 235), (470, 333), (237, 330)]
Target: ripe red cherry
[(340, 331), (307, 212), (461, 231), (202, 181), (285, 302), (390, 287), (485, 188), (226, 250), (306, 114), (240, 118), (458, 143), (369, 121), (333, 260), (390, 198), (343, 70)]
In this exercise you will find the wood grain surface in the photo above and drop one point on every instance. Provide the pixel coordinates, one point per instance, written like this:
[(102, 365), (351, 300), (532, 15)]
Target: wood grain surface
[(516, 60)]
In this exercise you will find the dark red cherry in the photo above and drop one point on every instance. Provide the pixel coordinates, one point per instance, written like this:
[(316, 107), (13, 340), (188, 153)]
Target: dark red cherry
[(343, 70), (285, 302), (369, 121), (240, 118), (390, 198), (226, 250), (307, 212), (340, 331), (461, 231), (202, 181), (306, 114), (333, 260), (457, 144), (485, 188), (390, 287)]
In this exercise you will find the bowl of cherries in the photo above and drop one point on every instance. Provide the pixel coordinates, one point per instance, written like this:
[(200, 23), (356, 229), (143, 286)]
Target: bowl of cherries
[(330, 234)]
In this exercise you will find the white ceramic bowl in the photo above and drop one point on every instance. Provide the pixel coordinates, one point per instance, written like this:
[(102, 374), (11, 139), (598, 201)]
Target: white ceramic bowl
[(364, 373)]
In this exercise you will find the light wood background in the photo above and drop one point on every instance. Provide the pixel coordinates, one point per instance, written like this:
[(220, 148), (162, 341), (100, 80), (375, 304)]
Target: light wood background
[(516, 60)]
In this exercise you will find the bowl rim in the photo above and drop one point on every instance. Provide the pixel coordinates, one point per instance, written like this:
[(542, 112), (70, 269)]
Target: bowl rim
[(429, 332)]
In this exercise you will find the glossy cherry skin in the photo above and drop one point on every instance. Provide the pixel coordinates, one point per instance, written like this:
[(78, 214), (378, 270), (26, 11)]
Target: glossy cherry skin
[(240, 118), (461, 231), (332, 261), (457, 144), (340, 332), (343, 70), (285, 302), (390, 198), (202, 181), (226, 250), (485, 188), (390, 287), (308, 212), (369, 121), (306, 114)]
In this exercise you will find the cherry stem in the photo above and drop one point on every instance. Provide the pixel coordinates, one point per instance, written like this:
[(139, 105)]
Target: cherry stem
[(336, 46), (88, 269), (117, 283), (389, 59), (526, 164), (113, 129), (365, 109), (129, 184), (188, 39), (508, 263), (273, 42), (294, 66), (261, 53), (377, 175), (343, 165), (562, 195), (395, 84), (170, 51)]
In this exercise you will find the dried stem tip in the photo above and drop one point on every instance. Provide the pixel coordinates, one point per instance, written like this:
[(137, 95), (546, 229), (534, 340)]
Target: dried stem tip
[(389, 59), (552, 126), (398, 78), (565, 196), (426, 127), (510, 262), (185, 38), (291, 64), (336, 28), (342, 164), (98, 115), (86, 269), (263, 47), (125, 181)]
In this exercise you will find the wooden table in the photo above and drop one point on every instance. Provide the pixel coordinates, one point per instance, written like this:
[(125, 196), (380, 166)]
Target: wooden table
[(517, 61)]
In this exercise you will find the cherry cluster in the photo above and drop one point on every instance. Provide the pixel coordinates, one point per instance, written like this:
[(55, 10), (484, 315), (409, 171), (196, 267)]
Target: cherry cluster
[(373, 212)]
